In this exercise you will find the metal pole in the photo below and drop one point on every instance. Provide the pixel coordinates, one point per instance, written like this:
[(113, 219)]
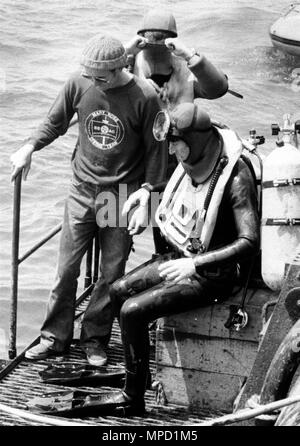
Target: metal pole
[(15, 266), (88, 266), (12, 352), (44, 240), (96, 257)]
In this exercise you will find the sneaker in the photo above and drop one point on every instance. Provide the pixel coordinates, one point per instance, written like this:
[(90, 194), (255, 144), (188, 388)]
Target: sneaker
[(96, 355), (41, 351)]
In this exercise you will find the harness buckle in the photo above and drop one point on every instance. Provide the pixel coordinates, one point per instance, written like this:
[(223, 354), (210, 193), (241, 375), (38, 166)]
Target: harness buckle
[(238, 318), (196, 246)]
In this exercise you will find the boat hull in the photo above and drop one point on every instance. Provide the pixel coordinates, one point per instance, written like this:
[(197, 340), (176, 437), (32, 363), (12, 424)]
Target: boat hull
[(285, 32), (286, 45)]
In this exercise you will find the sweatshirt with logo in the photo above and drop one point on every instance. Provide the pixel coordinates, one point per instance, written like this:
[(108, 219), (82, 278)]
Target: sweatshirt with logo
[(115, 140)]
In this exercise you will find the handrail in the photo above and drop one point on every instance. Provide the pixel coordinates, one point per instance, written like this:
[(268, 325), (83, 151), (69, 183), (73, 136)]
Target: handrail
[(16, 261), (41, 243), (15, 266), (12, 364)]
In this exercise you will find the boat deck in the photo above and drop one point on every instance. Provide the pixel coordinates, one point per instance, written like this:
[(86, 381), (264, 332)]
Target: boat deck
[(20, 381)]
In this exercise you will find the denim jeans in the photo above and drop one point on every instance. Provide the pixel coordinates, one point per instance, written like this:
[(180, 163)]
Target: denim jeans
[(79, 228)]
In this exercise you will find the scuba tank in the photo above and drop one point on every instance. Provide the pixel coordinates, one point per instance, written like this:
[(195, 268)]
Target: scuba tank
[(280, 226)]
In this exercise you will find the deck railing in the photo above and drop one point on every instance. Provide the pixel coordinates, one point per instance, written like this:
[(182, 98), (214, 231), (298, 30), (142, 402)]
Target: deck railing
[(92, 261)]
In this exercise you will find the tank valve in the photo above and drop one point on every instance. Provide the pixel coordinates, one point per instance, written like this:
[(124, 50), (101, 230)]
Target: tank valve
[(275, 129), (253, 141), (288, 130)]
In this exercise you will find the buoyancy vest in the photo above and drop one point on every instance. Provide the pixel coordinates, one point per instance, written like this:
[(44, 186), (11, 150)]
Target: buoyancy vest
[(179, 88), (181, 216)]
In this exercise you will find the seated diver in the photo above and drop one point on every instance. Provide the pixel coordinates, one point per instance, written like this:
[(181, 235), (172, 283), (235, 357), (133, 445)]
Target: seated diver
[(208, 215)]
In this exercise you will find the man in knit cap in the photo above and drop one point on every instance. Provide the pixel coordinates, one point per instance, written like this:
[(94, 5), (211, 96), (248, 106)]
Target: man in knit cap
[(115, 147)]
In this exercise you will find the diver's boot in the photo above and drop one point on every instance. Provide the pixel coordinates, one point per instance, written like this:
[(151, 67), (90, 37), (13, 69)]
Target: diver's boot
[(126, 402), (121, 404), (130, 400), (136, 384)]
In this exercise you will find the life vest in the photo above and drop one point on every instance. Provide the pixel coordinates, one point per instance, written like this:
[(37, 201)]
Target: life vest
[(181, 216), (179, 88)]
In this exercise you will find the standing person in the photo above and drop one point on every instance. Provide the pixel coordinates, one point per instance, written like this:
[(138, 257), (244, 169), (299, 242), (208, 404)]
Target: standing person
[(177, 72), (115, 146)]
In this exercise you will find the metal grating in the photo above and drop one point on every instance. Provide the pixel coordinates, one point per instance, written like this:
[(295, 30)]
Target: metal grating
[(22, 383)]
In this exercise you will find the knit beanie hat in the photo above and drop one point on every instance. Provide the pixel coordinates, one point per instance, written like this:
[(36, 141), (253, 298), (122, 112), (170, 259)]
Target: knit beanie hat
[(103, 52)]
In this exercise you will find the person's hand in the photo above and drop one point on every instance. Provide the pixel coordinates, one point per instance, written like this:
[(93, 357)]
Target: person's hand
[(138, 221), (177, 270), (162, 92), (21, 159), (135, 45), (178, 48), (141, 196)]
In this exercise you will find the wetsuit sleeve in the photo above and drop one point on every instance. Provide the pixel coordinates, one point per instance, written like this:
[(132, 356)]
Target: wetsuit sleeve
[(159, 187), (211, 83), (242, 198), (57, 120), (155, 151)]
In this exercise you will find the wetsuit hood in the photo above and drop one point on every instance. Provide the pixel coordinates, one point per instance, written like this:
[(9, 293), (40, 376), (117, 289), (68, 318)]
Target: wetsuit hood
[(194, 127)]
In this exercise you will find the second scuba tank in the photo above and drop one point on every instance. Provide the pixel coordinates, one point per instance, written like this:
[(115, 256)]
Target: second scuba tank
[(280, 231)]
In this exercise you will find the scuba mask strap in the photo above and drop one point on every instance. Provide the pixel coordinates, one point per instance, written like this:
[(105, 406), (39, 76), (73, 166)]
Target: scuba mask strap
[(194, 118), (193, 125)]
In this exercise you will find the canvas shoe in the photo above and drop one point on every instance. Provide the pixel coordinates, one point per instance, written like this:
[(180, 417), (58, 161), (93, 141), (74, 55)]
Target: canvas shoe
[(96, 355), (41, 351)]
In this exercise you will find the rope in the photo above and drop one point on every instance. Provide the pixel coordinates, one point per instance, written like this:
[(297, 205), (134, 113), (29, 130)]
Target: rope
[(246, 414), (160, 396), (51, 421)]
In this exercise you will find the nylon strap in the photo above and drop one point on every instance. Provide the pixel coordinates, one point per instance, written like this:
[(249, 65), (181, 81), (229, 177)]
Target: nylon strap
[(280, 221), (282, 182)]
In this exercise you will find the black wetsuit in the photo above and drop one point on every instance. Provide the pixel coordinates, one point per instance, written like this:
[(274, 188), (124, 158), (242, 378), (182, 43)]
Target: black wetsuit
[(143, 296)]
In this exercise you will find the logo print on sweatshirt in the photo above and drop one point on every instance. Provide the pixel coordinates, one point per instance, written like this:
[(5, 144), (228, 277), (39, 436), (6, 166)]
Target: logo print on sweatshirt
[(104, 129)]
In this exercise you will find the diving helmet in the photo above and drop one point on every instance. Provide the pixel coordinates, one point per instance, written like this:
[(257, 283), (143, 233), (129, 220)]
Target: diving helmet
[(159, 21)]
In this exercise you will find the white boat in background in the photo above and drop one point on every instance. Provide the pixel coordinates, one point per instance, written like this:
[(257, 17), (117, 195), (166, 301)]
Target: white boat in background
[(285, 32)]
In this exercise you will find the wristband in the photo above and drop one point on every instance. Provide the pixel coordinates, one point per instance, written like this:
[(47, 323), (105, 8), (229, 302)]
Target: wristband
[(147, 186)]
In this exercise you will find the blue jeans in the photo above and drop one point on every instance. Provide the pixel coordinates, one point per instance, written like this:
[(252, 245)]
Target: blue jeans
[(79, 228)]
